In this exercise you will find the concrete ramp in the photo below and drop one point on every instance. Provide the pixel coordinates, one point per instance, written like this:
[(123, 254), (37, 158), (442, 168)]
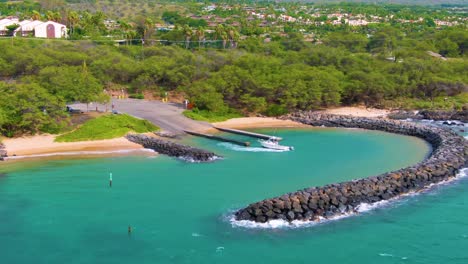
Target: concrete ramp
[(167, 116)]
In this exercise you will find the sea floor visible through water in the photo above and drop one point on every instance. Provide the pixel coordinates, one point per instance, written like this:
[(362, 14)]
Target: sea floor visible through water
[(63, 211)]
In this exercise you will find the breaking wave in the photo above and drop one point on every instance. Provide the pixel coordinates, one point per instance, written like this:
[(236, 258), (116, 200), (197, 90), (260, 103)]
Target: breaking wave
[(361, 208)]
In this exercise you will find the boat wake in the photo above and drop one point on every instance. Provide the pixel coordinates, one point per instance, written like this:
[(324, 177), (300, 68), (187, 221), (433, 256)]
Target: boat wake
[(360, 209), (247, 149)]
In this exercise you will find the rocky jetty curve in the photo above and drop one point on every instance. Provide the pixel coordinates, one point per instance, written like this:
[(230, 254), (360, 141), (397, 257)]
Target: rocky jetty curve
[(173, 149), (449, 155)]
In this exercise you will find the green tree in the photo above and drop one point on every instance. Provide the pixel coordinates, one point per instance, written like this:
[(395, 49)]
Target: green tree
[(28, 109), (71, 83)]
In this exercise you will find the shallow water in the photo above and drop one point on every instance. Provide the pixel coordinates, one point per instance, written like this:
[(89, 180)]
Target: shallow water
[(63, 211)]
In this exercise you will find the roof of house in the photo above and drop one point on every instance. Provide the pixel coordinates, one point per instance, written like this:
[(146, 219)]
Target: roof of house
[(30, 26), (7, 22), (50, 22)]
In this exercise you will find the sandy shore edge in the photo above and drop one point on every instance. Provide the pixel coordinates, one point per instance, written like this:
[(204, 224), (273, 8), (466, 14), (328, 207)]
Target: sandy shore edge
[(46, 146), (43, 146), (270, 122)]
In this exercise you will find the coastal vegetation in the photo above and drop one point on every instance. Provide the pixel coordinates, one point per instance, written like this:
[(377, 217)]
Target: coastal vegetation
[(208, 116), (247, 60), (107, 127)]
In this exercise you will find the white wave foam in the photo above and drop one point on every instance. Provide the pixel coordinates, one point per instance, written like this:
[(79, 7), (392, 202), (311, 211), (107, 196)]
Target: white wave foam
[(466, 137), (192, 160), (247, 149), (283, 224), (385, 255), (361, 208), (219, 249), (81, 153)]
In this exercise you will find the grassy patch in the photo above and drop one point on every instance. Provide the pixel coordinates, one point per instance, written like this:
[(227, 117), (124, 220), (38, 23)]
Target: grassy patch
[(203, 115), (107, 127)]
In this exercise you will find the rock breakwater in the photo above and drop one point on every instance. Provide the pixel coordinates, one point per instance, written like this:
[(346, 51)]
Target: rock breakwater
[(447, 158), (3, 152), (437, 115), (172, 149)]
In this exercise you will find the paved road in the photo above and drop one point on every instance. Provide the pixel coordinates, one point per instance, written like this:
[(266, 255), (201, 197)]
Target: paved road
[(168, 116)]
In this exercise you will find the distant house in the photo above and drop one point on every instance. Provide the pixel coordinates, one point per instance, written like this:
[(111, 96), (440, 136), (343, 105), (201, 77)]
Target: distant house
[(19, 30), (4, 23), (36, 28), (50, 29)]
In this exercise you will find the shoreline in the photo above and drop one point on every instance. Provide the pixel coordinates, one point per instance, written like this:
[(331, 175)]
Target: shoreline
[(44, 146), (84, 154), (256, 122)]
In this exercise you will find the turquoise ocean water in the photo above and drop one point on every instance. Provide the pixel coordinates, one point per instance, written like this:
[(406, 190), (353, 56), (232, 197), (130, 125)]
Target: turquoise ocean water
[(63, 211)]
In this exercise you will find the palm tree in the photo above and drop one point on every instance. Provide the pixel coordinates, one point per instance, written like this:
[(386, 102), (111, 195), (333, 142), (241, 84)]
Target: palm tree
[(50, 15), (56, 16), (125, 27), (233, 36), (225, 38), (219, 31), (200, 35), (130, 35), (148, 27), (188, 35), (35, 15), (73, 19)]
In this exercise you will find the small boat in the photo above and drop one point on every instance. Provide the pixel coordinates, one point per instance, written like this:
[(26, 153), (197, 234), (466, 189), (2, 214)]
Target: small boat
[(273, 144)]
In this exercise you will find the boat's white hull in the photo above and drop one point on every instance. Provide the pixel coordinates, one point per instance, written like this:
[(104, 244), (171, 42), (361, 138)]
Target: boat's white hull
[(275, 146)]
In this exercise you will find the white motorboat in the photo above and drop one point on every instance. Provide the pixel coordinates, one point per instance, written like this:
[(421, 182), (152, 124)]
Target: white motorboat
[(273, 144)]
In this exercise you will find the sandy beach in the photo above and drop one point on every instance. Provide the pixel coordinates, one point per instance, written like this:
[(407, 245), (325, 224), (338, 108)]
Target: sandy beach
[(257, 122), (358, 111), (44, 144), (267, 122)]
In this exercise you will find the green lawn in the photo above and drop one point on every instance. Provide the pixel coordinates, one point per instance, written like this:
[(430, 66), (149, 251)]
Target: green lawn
[(202, 115), (107, 127)]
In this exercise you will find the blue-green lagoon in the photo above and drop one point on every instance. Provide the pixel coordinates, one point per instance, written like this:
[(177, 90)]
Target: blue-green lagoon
[(63, 211)]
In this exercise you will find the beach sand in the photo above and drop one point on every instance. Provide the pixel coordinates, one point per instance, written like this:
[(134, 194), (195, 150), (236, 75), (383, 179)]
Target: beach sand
[(358, 111), (257, 122), (44, 144), (267, 122)]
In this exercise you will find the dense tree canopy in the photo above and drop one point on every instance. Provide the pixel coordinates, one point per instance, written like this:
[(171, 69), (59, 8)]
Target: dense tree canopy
[(288, 73)]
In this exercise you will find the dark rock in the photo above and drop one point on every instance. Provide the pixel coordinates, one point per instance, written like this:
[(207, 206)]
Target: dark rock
[(445, 115), (400, 115), (3, 152), (172, 149), (447, 158), (166, 134)]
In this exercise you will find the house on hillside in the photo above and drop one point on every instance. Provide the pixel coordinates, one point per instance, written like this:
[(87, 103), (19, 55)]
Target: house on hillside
[(27, 29), (50, 29), (36, 28), (4, 23)]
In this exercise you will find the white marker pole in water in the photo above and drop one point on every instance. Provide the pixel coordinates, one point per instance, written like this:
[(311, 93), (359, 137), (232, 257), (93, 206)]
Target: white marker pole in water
[(110, 179)]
